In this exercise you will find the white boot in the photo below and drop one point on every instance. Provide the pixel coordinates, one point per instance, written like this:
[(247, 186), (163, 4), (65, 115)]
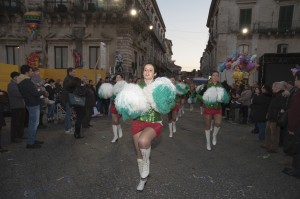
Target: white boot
[(146, 162), (142, 182), (207, 135), (182, 109), (171, 130), (215, 133), (174, 127), (179, 112), (115, 131), (201, 110), (212, 126), (120, 131)]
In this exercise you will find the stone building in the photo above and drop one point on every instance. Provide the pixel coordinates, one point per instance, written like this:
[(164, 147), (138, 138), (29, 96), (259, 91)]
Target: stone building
[(95, 34), (270, 26)]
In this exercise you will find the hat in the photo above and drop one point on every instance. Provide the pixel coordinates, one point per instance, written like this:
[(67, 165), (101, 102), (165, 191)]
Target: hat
[(14, 74)]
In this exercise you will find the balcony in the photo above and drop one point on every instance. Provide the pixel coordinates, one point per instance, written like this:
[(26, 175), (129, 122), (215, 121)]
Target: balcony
[(63, 6), (275, 27), (12, 7)]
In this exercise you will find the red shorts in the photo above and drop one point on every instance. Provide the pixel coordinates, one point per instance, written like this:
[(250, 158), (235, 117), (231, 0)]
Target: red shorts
[(212, 111), (138, 126), (176, 108), (113, 110)]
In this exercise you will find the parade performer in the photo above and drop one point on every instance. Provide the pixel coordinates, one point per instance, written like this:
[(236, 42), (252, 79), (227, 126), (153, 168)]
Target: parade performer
[(181, 90), (173, 114), (192, 96), (105, 91), (116, 125), (151, 99), (213, 95)]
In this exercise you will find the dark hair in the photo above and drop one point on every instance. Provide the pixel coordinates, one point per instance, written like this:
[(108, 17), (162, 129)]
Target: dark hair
[(25, 69), (69, 70), (14, 74), (214, 71), (120, 75), (267, 88), (155, 69), (51, 81)]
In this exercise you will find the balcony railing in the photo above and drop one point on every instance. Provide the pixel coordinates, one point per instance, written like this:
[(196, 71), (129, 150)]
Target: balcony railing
[(12, 6), (262, 27), (89, 6)]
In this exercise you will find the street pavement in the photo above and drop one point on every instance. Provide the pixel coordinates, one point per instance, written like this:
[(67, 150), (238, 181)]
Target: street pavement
[(181, 167)]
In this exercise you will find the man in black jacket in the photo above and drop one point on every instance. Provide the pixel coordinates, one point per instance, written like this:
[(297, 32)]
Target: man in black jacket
[(32, 97)]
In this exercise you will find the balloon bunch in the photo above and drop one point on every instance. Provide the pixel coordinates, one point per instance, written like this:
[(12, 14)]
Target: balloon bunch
[(33, 60), (245, 62), (295, 70), (33, 20)]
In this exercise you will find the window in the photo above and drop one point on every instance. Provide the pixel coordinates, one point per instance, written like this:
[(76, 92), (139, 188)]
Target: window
[(285, 18), (282, 48), (245, 18), (244, 48), (61, 56), (93, 56), (12, 54)]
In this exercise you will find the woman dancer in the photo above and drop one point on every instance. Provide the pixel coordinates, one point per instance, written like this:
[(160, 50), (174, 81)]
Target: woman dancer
[(144, 103), (214, 95), (116, 125)]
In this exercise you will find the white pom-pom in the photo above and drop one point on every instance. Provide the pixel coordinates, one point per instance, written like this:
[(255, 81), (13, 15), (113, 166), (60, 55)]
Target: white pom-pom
[(131, 102), (220, 93), (199, 88), (181, 88), (105, 91), (167, 87), (210, 95), (119, 86)]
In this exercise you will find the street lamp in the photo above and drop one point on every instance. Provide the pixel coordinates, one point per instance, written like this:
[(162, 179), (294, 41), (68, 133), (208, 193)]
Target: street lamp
[(150, 27), (245, 31), (133, 12)]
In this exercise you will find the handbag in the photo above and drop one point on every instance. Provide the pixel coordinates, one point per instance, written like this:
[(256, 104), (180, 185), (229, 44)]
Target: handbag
[(76, 100), (282, 118)]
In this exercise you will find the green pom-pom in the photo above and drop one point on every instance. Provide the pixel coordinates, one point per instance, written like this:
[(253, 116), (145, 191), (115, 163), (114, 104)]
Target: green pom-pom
[(225, 98), (164, 98)]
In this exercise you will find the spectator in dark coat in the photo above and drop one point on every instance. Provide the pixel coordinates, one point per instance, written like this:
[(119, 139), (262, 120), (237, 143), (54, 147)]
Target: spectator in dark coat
[(294, 128), (32, 97), (49, 86), (259, 109), (90, 103), (3, 101), (17, 109), (65, 99), (272, 129)]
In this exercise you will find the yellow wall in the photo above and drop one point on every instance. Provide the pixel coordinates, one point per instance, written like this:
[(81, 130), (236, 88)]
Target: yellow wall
[(6, 69)]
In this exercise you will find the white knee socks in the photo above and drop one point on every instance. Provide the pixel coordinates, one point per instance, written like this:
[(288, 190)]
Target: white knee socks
[(216, 130), (146, 162), (120, 131), (170, 130), (207, 135), (115, 131)]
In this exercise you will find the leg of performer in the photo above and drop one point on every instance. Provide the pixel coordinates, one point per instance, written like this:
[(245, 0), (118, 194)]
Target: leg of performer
[(218, 120), (171, 130), (120, 131), (207, 123), (174, 115), (115, 131)]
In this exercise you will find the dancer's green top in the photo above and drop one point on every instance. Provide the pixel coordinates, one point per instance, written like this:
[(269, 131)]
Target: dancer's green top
[(151, 115), (213, 95)]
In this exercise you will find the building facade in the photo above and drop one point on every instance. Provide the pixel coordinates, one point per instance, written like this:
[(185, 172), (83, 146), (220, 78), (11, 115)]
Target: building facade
[(95, 34), (270, 26)]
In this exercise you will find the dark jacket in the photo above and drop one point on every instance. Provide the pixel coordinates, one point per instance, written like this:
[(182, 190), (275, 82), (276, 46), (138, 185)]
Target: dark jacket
[(67, 88), (90, 97), (50, 91), (28, 90), (294, 113), (16, 99), (276, 104), (259, 107)]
